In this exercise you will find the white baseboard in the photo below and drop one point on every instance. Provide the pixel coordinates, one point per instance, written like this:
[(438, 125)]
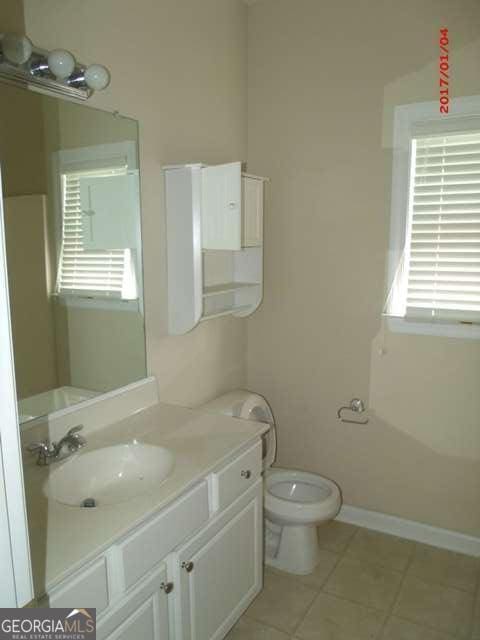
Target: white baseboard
[(443, 538)]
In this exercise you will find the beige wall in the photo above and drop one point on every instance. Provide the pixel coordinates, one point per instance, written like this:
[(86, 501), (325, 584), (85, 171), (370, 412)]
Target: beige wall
[(180, 69), (323, 80), (24, 180), (30, 302), (22, 143), (11, 16)]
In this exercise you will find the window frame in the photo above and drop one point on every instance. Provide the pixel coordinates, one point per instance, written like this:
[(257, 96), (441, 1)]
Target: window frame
[(67, 160), (412, 120)]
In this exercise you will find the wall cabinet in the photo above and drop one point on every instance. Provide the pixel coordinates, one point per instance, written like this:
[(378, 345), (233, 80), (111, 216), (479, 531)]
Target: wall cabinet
[(221, 207), (252, 213), (214, 243), (187, 573)]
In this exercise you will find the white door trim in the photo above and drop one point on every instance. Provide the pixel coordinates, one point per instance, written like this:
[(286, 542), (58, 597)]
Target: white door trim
[(12, 494)]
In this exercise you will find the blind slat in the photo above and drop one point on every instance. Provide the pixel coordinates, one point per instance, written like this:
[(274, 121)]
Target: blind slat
[(443, 275), (81, 270)]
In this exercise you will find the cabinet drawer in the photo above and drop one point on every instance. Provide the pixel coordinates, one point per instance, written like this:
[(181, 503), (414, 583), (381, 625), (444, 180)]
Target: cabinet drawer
[(238, 476), (87, 589), (151, 543)]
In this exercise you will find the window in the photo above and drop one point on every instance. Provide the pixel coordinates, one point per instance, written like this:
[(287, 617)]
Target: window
[(94, 272), (434, 284), (98, 225), (444, 228)]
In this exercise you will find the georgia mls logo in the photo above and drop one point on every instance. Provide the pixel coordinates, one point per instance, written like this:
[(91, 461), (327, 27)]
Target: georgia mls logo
[(47, 624), (84, 612)]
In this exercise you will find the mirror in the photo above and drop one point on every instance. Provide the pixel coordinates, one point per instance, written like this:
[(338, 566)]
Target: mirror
[(70, 184)]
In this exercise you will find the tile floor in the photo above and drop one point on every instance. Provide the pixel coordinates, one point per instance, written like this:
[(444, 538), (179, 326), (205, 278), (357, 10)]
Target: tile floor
[(369, 586)]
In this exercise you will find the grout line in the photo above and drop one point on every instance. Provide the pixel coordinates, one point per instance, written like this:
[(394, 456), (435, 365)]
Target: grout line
[(318, 592), (391, 610)]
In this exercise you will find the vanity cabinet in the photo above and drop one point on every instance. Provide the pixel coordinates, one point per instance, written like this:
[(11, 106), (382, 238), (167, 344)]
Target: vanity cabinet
[(186, 573), (142, 613), (220, 571)]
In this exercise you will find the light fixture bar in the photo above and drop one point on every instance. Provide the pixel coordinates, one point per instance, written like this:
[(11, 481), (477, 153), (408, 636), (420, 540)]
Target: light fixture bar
[(57, 72)]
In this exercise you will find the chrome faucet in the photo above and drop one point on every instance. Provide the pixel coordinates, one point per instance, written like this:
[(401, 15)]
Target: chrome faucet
[(54, 451)]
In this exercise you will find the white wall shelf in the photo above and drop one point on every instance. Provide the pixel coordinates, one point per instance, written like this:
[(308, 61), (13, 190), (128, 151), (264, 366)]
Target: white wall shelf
[(214, 243), (227, 287), (226, 311)]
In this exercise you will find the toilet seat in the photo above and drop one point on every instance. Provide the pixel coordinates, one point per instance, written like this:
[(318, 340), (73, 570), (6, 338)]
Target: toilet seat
[(298, 497)]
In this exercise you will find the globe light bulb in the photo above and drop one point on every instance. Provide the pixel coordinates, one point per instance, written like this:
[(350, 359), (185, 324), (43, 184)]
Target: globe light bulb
[(61, 63), (97, 77), (16, 49)]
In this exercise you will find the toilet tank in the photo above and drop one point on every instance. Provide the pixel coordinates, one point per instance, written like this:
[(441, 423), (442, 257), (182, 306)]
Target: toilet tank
[(248, 406)]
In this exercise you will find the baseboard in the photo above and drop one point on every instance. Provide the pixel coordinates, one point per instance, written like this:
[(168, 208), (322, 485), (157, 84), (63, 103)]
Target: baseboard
[(443, 538)]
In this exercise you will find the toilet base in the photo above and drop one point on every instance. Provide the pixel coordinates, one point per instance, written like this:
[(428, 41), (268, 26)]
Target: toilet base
[(293, 549)]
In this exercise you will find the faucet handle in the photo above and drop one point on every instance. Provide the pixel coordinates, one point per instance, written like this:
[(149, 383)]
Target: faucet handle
[(44, 450), (74, 430), (38, 446)]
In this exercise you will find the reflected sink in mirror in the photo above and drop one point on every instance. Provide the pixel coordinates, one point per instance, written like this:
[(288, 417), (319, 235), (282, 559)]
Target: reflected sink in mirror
[(109, 475)]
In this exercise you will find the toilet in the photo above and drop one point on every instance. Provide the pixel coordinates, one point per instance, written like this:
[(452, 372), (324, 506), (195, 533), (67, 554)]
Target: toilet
[(295, 501)]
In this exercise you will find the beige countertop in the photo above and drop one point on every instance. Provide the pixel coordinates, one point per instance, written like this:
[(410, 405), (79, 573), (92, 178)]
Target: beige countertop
[(62, 537)]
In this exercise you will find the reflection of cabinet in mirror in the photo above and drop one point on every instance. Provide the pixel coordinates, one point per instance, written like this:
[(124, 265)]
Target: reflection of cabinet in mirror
[(214, 243)]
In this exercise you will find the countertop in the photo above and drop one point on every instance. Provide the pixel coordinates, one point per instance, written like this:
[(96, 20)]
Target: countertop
[(63, 538)]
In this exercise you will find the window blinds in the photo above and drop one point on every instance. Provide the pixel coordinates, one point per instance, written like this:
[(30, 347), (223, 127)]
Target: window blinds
[(94, 273), (443, 277)]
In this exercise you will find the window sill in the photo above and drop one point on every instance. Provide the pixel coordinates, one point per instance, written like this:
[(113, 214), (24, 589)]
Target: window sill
[(103, 304), (425, 328)]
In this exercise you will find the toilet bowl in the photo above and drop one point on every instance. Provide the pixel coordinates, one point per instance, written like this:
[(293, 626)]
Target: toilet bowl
[(295, 501)]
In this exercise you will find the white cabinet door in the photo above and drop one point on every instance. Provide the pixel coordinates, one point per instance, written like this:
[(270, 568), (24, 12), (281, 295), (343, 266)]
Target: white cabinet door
[(142, 623), (252, 211), (142, 613), (222, 206), (221, 572)]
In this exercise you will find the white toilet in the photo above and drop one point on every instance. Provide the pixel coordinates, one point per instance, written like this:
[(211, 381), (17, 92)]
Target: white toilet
[(295, 501)]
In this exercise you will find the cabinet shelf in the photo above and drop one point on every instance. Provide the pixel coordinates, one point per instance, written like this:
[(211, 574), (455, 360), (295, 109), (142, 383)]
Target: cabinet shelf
[(227, 287), (224, 311)]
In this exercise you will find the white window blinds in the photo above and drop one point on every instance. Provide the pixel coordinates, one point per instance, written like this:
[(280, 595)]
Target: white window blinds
[(86, 272), (443, 236)]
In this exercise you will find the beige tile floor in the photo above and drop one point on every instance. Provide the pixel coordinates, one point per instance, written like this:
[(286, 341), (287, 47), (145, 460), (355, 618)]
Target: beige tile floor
[(369, 586)]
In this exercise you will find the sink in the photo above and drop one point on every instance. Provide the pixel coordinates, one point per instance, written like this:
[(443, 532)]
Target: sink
[(109, 475)]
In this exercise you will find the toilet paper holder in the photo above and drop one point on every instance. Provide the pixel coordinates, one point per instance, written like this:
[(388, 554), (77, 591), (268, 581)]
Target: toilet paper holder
[(356, 405)]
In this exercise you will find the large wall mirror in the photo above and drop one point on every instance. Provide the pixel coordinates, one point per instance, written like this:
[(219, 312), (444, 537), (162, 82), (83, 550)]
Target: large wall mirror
[(70, 183)]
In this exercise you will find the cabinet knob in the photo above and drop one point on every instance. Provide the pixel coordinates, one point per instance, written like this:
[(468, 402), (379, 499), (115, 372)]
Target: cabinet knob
[(188, 566), (167, 587), (246, 474), (232, 205)]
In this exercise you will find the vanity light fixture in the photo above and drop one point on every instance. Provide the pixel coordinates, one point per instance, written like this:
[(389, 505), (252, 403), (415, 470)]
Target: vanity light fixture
[(61, 63), (50, 71), (16, 49)]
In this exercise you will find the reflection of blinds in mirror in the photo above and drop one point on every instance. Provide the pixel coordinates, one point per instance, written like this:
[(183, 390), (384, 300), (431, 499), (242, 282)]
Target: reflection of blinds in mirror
[(444, 256), (95, 273)]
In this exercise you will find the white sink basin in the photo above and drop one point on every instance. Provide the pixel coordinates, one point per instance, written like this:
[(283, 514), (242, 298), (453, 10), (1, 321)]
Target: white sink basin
[(109, 475)]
